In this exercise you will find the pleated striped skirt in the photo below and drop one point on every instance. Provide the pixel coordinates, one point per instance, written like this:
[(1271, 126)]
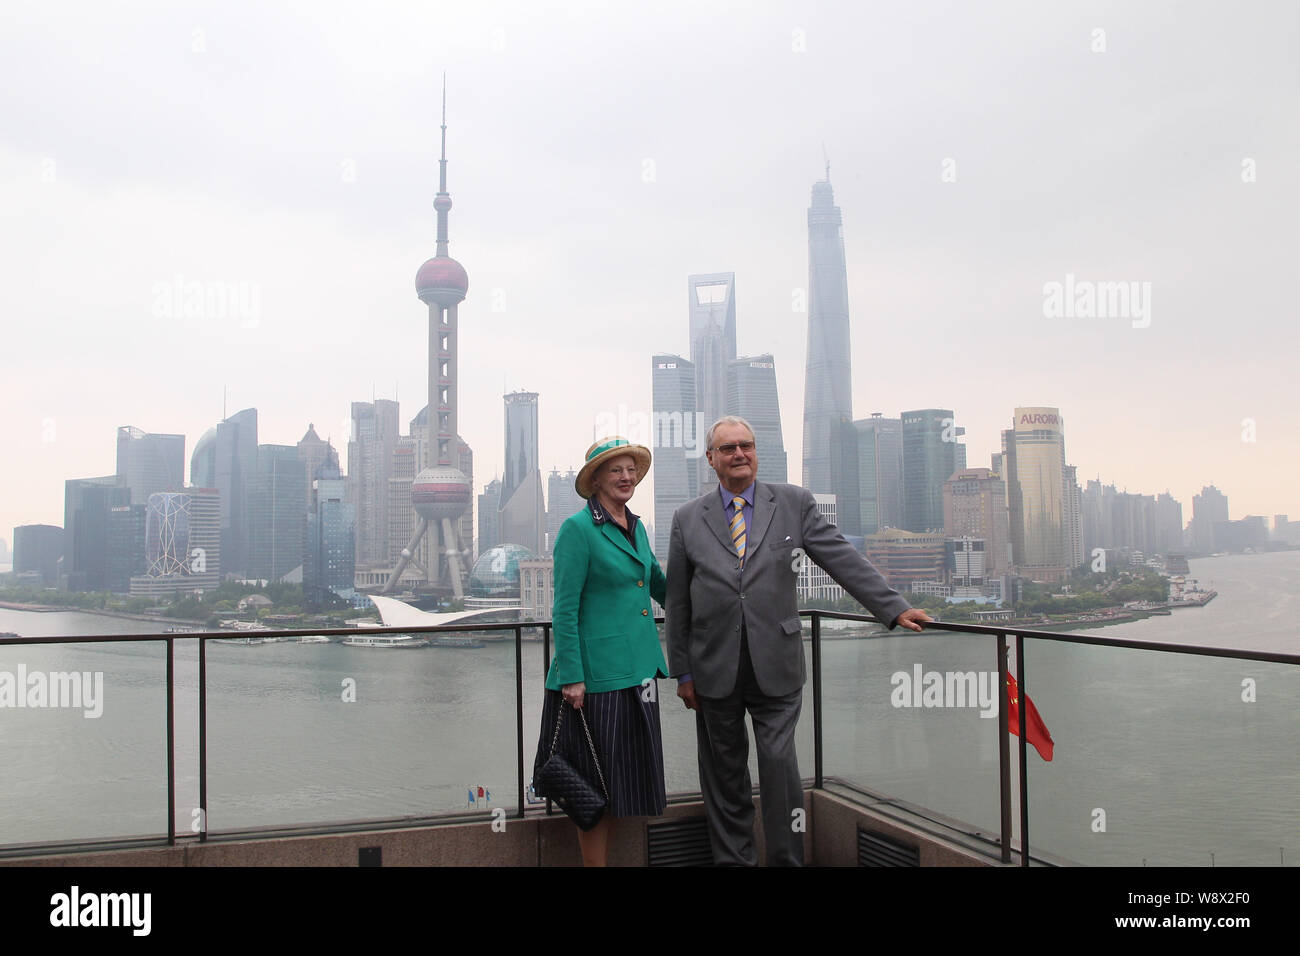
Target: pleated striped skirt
[(625, 732)]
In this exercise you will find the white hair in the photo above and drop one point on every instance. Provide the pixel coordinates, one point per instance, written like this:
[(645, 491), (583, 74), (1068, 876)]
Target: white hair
[(726, 420)]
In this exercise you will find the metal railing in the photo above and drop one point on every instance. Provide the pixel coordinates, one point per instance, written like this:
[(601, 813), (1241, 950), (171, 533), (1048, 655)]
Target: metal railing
[(999, 633)]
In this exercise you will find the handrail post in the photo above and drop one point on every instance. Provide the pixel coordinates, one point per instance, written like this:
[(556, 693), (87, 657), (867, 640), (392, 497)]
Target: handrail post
[(1023, 708), (1004, 750), (171, 742), (519, 711), (817, 698), (203, 740), (546, 666)]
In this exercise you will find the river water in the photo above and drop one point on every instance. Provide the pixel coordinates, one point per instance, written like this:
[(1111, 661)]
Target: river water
[(1162, 759)]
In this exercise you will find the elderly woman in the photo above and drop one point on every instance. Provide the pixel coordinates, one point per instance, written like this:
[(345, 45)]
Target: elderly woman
[(607, 653)]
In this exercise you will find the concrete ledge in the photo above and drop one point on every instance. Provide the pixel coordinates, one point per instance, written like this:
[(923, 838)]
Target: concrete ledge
[(835, 837), (830, 839)]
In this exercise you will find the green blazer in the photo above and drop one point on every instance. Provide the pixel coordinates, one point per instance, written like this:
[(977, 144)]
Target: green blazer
[(604, 626)]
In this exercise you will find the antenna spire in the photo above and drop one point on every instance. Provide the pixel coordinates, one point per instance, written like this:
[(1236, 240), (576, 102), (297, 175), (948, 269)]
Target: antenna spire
[(443, 201)]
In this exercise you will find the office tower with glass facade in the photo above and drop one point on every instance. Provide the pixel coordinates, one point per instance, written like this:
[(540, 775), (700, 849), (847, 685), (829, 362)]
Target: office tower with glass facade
[(147, 463), (677, 441), (522, 518), (931, 454), (312, 452), (224, 459), (751, 394), (370, 463), (401, 515), (880, 472), (712, 309), (562, 502), (277, 513), (489, 507), (329, 563), (87, 503), (1037, 496), (828, 393), (37, 551), (126, 546), (1074, 521)]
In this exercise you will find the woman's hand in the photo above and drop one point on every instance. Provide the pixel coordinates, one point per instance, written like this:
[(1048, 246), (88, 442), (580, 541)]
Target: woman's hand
[(574, 693)]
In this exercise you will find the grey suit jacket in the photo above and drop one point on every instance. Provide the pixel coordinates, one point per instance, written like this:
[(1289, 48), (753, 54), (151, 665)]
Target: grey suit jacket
[(710, 594)]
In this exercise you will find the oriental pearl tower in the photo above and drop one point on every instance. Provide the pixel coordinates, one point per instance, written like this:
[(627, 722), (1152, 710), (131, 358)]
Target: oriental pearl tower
[(441, 493)]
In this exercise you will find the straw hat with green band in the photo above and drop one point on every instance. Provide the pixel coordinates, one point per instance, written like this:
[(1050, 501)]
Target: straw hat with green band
[(601, 452)]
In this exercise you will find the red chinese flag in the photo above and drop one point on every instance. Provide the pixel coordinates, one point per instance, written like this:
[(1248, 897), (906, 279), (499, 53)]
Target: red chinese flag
[(1031, 711), (1035, 730)]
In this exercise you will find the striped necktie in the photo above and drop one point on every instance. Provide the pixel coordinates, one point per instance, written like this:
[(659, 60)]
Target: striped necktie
[(738, 527)]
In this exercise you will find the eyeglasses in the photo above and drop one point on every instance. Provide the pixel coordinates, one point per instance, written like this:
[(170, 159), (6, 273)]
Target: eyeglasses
[(730, 447)]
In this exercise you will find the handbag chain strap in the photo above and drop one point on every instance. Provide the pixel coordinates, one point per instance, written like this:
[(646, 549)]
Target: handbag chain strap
[(555, 739)]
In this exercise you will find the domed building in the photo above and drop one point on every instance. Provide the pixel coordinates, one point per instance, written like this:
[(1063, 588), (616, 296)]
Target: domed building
[(494, 582)]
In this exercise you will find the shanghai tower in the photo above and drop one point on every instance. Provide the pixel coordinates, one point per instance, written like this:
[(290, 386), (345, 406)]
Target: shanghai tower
[(828, 397)]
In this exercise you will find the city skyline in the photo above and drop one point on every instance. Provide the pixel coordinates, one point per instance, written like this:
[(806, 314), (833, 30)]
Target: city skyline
[(300, 240)]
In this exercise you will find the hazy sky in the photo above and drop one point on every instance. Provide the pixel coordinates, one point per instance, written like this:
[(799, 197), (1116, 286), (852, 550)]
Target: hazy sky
[(599, 156)]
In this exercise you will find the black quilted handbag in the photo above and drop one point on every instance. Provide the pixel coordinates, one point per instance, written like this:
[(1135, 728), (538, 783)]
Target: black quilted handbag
[(570, 790)]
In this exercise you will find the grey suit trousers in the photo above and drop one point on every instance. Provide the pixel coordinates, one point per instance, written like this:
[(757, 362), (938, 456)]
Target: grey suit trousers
[(723, 746)]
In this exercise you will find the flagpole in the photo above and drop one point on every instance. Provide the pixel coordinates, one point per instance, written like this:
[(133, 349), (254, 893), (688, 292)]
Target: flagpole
[(1004, 749), (1023, 715)]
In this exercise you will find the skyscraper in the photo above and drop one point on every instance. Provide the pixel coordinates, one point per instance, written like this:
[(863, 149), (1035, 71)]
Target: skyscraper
[(182, 543), (277, 513), (828, 394), (975, 506), (312, 452), (712, 307), (677, 439), (880, 472), (1209, 508), (147, 463), (522, 517), (1073, 513), (751, 394), (489, 509), (1034, 455), (930, 456), (223, 459), (370, 463), (126, 546), (443, 491), (562, 501), (37, 550), (87, 504), (329, 565)]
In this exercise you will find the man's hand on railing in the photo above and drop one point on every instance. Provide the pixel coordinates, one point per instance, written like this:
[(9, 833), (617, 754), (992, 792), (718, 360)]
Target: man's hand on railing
[(912, 618)]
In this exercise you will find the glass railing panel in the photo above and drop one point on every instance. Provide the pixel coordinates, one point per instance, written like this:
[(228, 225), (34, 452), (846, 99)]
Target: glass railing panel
[(913, 717), (302, 733), (83, 741), (1164, 759)]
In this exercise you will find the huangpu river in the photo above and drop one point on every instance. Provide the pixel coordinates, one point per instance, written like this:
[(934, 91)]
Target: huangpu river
[(1159, 759)]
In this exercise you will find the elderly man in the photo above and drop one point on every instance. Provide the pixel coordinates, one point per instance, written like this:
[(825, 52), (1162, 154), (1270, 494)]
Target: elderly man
[(734, 639)]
